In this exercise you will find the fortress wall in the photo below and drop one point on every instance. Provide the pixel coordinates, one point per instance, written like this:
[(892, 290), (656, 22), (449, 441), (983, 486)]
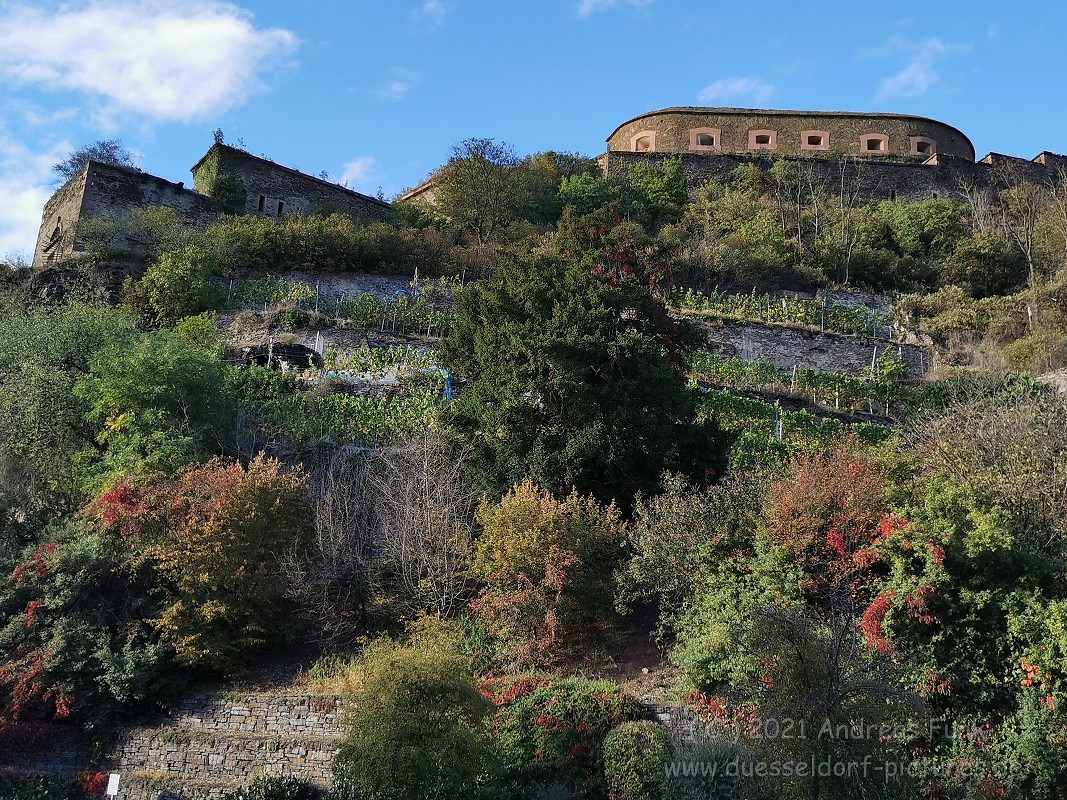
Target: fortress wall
[(117, 190), (789, 132), (873, 180), (247, 184)]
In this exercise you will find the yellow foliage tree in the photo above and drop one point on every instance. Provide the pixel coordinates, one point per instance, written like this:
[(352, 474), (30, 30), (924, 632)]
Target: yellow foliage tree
[(228, 525)]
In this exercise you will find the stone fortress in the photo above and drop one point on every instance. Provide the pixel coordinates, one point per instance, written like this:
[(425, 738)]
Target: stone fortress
[(877, 156), (874, 156), (741, 131)]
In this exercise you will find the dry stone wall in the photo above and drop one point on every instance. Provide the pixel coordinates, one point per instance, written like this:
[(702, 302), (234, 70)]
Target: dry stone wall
[(212, 745), (788, 347)]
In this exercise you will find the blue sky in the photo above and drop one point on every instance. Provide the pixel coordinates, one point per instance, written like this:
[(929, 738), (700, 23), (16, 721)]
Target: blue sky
[(376, 91)]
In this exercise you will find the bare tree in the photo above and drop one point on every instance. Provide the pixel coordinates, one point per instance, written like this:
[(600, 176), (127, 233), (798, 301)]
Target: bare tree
[(980, 199), (1018, 213), (848, 232), (334, 581), (107, 151), (426, 508), (392, 531), (1057, 186)]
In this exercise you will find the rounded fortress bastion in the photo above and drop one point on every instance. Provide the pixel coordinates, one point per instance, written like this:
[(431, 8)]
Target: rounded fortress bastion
[(744, 131)]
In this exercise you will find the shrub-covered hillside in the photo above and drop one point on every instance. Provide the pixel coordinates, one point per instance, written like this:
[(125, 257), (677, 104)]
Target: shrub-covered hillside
[(489, 467)]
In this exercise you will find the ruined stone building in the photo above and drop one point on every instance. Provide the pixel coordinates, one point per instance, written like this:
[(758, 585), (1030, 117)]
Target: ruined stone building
[(225, 180)]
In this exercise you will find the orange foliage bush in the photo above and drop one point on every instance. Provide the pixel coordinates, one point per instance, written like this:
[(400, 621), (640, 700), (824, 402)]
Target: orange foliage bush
[(548, 568)]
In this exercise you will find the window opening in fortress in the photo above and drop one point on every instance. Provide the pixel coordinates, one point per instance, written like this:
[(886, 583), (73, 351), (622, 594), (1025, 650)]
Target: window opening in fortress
[(921, 146), (815, 140), (262, 202), (643, 141), (875, 143), (762, 140), (281, 207), (704, 138)]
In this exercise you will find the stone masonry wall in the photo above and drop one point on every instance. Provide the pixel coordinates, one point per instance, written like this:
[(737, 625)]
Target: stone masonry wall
[(107, 190), (940, 177), (842, 131), (212, 745), (831, 352), (61, 213), (274, 190)]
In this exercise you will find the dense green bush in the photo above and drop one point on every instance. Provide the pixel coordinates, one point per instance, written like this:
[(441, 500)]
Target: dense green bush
[(546, 731), (415, 727), (275, 787), (174, 286), (333, 243), (635, 756)]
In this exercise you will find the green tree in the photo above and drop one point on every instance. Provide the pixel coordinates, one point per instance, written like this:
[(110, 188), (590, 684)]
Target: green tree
[(658, 190), (174, 286), (574, 379), (414, 730), (43, 423), (478, 189), (159, 401)]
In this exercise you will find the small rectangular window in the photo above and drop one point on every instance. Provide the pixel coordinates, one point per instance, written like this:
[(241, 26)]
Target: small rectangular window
[(763, 138), (281, 207), (262, 202), (815, 141)]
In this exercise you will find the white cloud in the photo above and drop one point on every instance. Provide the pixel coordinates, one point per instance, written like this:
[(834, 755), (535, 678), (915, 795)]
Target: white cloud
[(160, 59), (24, 179), (586, 8), (359, 174), (920, 73), (431, 11), (400, 82), (753, 89)]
